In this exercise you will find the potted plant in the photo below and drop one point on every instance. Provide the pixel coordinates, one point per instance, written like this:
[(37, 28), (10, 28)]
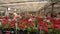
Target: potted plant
[(22, 27)]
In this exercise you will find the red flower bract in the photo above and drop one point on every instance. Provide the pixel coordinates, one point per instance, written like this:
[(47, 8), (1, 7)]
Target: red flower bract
[(45, 24), (56, 26), (31, 23), (52, 19), (41, 24), (38, 20), (45, 30), (56, 22), (0, 20), (26, 21), (22, 27), (38, 28), (12, 23), (19, 22), (4, 22)]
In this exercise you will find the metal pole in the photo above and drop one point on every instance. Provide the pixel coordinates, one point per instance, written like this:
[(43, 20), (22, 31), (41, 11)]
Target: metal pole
[(52, 10), (44, 10)]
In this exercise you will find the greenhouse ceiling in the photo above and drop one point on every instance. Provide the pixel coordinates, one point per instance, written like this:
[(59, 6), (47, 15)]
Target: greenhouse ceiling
[(25, 5)]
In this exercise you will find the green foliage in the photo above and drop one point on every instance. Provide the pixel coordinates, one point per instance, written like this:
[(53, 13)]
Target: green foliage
[(0, 26)]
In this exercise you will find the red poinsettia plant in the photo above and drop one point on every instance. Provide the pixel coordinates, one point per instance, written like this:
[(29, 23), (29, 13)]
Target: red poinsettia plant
[(43, 25)]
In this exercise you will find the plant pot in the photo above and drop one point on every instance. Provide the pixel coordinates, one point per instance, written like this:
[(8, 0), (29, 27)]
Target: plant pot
[(22, 32), (6, 31), (12, 31), (33, 32), (25, 32)]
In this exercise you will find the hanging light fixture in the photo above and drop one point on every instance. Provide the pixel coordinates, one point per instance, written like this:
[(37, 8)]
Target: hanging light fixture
[(9, 8)]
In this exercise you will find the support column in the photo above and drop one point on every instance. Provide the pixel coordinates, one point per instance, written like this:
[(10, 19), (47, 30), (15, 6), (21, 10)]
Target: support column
[(52, 10), (6, 13), (44, 10)]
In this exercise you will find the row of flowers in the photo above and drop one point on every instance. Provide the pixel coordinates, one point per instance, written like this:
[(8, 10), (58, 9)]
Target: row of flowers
[(31, 24)]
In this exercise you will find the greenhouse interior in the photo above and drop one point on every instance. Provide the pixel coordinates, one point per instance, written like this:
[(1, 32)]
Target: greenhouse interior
[(29, 16)]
